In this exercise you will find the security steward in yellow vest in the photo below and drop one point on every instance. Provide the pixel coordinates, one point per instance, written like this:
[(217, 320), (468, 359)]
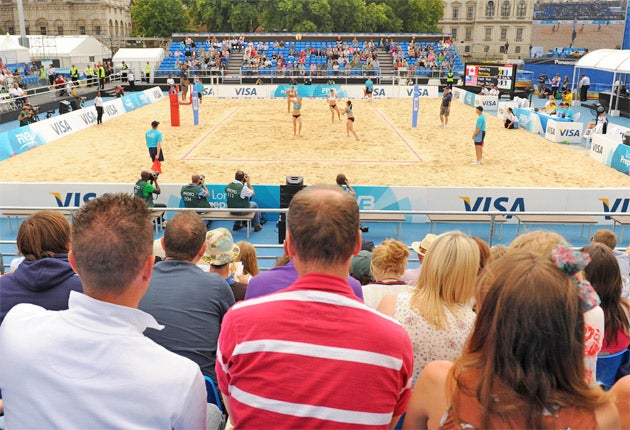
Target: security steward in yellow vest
[(74, 75), (89, 75), (450, 78), (101, 77)]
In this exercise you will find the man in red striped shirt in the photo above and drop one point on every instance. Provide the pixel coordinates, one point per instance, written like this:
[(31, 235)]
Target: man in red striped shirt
[(313, 355)]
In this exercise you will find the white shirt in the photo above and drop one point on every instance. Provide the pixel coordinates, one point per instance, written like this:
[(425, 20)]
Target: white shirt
[(91, 367)]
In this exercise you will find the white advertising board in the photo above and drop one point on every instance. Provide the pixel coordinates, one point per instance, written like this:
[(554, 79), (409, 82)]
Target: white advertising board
[(560, 131)]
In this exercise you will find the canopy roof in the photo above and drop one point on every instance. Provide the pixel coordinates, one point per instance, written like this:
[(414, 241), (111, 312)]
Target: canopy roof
[(612, 60)]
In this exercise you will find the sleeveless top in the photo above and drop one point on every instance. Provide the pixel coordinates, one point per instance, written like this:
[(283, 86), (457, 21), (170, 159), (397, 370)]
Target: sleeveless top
[(429, 342), (557, 418)]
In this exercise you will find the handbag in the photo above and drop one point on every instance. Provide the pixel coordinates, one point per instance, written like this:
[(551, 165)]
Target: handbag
[(157, 166)]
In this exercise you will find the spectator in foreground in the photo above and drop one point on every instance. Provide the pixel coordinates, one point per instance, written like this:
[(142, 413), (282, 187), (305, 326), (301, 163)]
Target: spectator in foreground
[(388, 263), (187, 301), (609, 238), (421, 247), (90, 366), (544, 243), (44, 277), (523, 364), (286, 365), (221, 252), (603, 274), (437, 313)]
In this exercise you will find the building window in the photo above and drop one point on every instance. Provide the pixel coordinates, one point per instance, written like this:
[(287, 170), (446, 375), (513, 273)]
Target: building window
[(97, 29), (467, 49), (11, 30), (60, 30), (455, 13), (519, 34), (505, 9), (517, 50), (42, 30), (82, 29), (468, 34), (488, 33), (490, 9), (503, 33), (470, 13), (454, 33), (521, 9)]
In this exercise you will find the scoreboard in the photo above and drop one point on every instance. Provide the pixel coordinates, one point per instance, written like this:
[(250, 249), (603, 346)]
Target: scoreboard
[(488, 74)]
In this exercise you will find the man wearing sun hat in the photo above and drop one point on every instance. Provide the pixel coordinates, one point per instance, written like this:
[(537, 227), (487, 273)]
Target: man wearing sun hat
[(221, 251), (411, 275)]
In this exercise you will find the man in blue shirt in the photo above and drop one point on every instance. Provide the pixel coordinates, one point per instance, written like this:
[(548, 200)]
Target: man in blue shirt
[(154, 142), (479, 135), (369, 88)]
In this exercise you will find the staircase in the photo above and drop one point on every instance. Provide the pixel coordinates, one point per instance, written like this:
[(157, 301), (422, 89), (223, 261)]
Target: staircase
[(387, 64), (233, 71)]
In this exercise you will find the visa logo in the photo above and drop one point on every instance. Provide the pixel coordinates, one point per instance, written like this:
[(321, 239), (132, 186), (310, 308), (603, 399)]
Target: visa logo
[(246, 92), (61, 127), (111, 110), (379, 92), (208, 91), (570, 133), (72, 199), (618, 205), (88, 117), (484, 204), (598, 148), (423, 92), (489, 103)]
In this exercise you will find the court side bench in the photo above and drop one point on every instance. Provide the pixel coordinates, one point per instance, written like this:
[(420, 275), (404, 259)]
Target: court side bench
[(25, 213), (623, 221), (384, 217), (556, 219), (246, 217), (467, 218)]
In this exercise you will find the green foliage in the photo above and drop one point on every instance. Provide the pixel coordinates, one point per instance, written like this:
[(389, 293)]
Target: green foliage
[(158, 18), (342, 16)]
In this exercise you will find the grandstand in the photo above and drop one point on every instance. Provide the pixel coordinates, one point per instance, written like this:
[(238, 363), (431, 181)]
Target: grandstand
[(591, 11), (318, 57)]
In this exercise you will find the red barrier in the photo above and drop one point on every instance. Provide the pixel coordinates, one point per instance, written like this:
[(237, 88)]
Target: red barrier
[(173, 94)]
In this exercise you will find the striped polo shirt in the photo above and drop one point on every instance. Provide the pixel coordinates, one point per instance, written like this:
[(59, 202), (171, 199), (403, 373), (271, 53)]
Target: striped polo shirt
[(313, 356)]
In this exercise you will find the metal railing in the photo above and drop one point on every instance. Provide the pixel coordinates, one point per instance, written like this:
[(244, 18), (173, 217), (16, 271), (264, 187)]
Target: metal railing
[(492, 223)]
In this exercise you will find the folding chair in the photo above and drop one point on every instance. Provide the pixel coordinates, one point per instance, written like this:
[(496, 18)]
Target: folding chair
[(608, 366), (213, 394)]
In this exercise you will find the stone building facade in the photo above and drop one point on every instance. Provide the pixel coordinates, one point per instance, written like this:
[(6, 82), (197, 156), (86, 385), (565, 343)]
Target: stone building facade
[(489, 29), (100, 18)]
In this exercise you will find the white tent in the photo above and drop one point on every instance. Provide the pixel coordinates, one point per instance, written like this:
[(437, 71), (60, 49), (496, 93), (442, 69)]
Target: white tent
[(69, 50), (136, 59), (610, 60), (12, 52)]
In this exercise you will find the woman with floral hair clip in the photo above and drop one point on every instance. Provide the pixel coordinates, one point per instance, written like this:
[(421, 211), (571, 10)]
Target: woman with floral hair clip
[(554, 247)]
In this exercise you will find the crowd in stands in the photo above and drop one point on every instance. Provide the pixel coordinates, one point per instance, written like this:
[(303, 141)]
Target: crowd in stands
[(502, 337), (411, 56), (209, 55), (312, 58), (602, 10)]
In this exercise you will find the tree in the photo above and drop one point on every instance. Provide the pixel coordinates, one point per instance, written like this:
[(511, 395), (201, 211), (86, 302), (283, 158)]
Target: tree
[(158, 18), (380, 17), (349, 16), (421, 16)]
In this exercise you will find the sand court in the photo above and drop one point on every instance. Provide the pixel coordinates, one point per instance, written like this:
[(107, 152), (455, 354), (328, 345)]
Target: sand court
[(257, 136)]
